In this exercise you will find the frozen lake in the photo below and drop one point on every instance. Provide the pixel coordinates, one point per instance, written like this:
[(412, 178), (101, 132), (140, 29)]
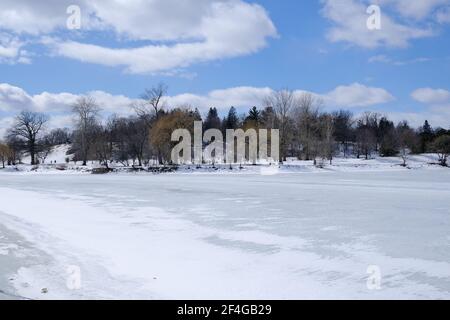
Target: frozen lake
[(207, 236)]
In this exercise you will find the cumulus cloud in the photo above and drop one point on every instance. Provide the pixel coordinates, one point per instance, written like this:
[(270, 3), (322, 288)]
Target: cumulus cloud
[(11, 50), (349, 24), (220, 30), (358, 95), (159, 35), (222, 99), (25, 17), (437, 106), (431, 96), (437, 118), (415, 9), (14, 99), (5, 123), (350, 96)]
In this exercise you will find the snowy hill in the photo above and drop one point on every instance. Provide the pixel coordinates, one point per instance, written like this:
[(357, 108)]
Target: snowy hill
[(58, 155)]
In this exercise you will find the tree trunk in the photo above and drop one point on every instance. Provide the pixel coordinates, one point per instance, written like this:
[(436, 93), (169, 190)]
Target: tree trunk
[(33, 155), (160, 159)]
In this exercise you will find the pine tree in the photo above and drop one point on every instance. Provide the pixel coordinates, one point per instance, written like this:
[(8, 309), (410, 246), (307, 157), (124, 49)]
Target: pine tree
[(426, 136), (253, 119), (197, 115), (212, 120), (388, 145), (232, 120), (254, 115), (269, 118)]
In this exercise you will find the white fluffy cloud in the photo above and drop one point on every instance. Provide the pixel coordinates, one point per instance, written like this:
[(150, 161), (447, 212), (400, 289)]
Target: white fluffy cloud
[(217, 30), (349, 20), (351, 96), (26, 17), (165, 34), (437, 106), (418, 9), (431, 96), (437, 118), (358, 95), (14, 99), (222, 99), (5, 123), (11, 50)]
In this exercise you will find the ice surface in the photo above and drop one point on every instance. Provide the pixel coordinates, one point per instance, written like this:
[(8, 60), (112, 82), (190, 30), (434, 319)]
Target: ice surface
[(206, 236)]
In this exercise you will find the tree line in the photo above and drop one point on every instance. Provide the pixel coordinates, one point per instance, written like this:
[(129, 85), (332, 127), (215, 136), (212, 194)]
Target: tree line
[(306, 132)]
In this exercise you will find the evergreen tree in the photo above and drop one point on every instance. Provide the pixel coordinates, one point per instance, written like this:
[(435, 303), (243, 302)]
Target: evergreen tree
[(254, 115), (197, 116), (426, 137), (388, 145), (253, 119), (232, 120), (269, 118), (427, 128), (212, 120), (343, 131)]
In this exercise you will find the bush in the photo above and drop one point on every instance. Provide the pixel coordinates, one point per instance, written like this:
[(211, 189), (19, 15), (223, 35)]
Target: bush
[(101, 170), (442, 147)]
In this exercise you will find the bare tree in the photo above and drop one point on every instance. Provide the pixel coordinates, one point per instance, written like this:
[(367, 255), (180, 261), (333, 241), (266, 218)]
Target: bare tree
[(5, 154), (343, 128), (366, 134), (153, 103), (27, 126), (307, 127), (327, 137), (16, 145), (102, 144), (442, 147), (44, 150), (406, 139), (131, 139), (86, 111), (58, 136), (282, 102), (151, 109)]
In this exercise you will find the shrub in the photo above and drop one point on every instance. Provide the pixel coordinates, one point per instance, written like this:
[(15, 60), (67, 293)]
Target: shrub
[(442, 147)]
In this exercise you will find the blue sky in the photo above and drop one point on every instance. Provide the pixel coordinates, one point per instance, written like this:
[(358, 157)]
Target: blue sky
[(223, 53)]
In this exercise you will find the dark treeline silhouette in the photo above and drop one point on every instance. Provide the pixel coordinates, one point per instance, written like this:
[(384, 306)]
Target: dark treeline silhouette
[(306, 132)]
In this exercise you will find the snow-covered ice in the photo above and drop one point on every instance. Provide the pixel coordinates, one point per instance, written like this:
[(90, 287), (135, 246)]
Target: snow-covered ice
[(219, 236)]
